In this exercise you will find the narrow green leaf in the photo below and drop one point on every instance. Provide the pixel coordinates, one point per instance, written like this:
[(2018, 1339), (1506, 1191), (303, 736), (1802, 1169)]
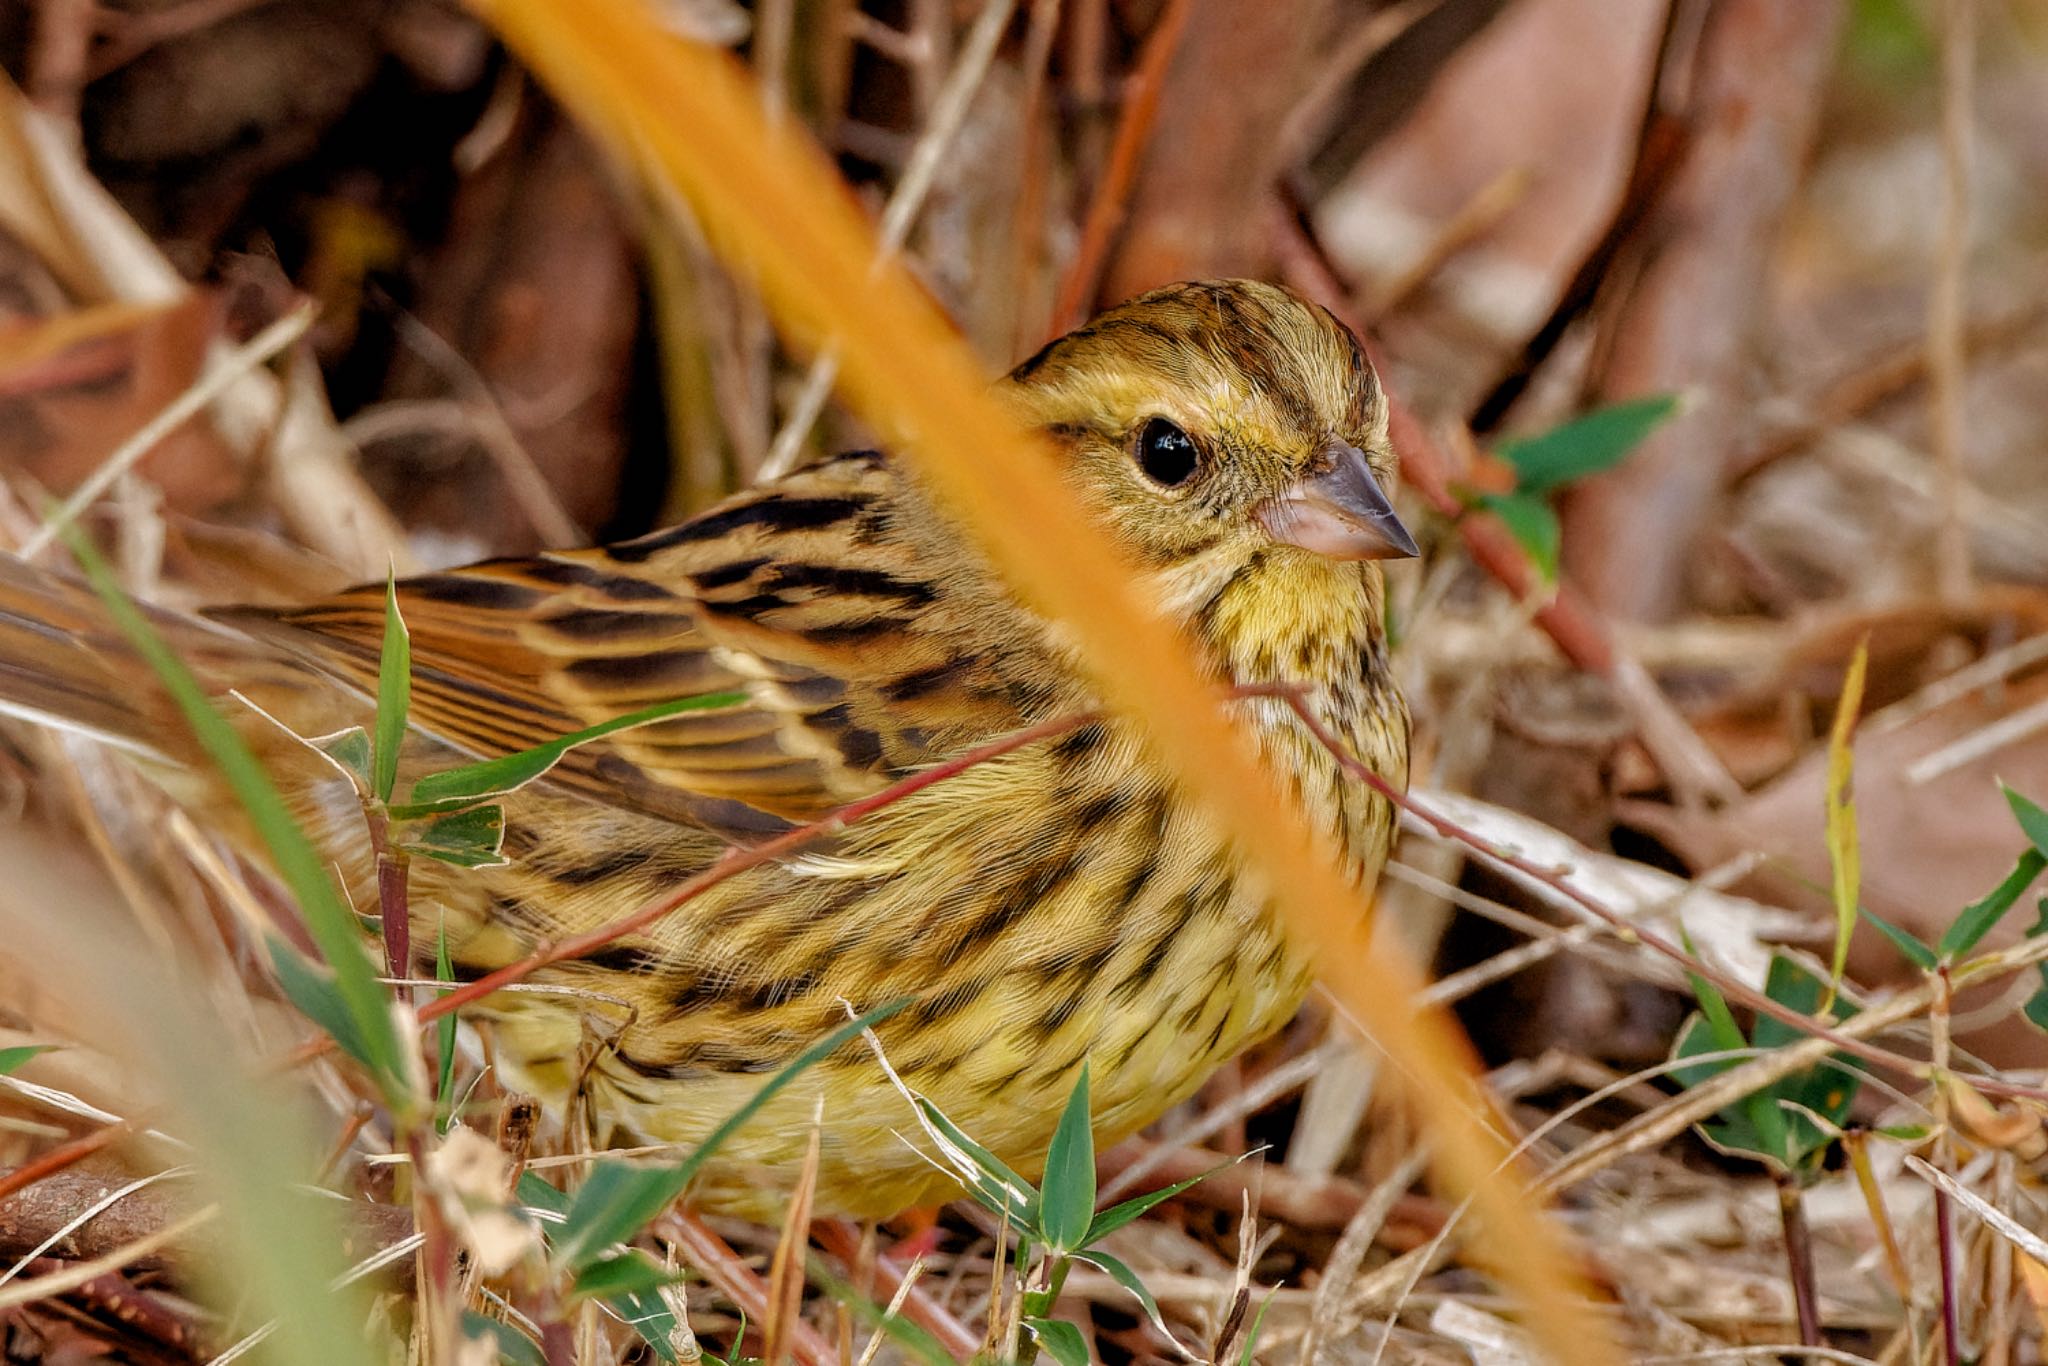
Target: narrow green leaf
[(1118, 1271), (474, 838), (1530, 520), (2033, 820), (349, 751), (1251, 1337), (990, 1180), (1921, 956), (11, 1059), (511, 1345), (647, 1313), (316, 995), (917, 1342), (1585, 445), (1905, 1133), (1067, 1195), (536, 1194), (631, 1272), (1061, 1341), (619, 1198), (394, 695), (509, 773), (297, 862), (444, 1071), (1977, 919), (1116, 1216)]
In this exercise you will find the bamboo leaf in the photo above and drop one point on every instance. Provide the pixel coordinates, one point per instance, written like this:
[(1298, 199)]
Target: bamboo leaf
[(509, 773), (1978, 918), (1586, 445), (1922, 957), (1061, 1341), (1533, 524), (394, 696), (11, 1059), (1067, 1195), (2033, 820)]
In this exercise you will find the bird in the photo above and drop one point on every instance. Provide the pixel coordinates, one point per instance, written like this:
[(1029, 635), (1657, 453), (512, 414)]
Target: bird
[(1062, 903)]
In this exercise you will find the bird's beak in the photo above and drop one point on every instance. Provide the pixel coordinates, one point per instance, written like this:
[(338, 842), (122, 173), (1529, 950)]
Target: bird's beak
[(1341, 512)]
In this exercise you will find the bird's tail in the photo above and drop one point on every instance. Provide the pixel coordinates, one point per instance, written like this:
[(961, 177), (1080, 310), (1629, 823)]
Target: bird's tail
[(63, 663)]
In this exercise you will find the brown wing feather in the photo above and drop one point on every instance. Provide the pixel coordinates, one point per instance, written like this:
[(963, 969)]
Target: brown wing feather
[(855, 665)]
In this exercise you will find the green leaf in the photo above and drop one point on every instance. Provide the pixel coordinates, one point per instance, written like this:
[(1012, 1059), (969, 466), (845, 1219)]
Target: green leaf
[(648, 1314), (915, 1341), (318, 997), (301, 866), (349, 751), (1061, 1340), (495, 777), (990, 1180), (512, 1345), (11, 1059), (631, 1272), (1122, 1274), (1586, 445), (1116, 1216), (2036, 1008), (1530, 520), (1067, 1200), (394, 695), (2033, 820), (1921, 956), (619, 1198), (474, 838), (536, 1194), (1977, 918), (444, 1063)]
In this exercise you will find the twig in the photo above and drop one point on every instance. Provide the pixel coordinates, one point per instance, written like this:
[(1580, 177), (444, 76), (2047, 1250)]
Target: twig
[(843, 1241), (949, 111), (64, 1282), (1945, 344), (1798, 1255), (1133, 132), (724, 1268)]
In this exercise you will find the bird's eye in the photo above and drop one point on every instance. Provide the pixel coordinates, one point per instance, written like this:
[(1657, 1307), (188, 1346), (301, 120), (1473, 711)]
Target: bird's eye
[(1166, 453)]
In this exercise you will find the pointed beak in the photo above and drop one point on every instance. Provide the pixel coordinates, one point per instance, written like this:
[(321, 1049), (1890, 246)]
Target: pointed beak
[(1342, 513)]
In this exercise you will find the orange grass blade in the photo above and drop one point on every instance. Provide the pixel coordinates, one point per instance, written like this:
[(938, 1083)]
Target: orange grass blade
[(772, 206)]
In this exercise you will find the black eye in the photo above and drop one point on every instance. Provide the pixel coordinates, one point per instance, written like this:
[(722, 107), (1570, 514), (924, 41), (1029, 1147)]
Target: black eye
[(1166, 453)]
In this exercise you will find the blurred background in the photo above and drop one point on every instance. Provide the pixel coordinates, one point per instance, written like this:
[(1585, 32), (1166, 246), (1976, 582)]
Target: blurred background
[(1821, 225)]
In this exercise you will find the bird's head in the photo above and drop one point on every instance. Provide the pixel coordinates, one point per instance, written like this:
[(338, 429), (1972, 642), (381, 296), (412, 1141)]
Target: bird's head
[(1228, 433)]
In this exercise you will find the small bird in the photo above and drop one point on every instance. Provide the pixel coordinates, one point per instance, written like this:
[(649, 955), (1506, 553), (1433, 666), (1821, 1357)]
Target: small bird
[(1062, 903)]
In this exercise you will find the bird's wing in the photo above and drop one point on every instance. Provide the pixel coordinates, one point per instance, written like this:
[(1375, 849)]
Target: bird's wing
[(855, 661)]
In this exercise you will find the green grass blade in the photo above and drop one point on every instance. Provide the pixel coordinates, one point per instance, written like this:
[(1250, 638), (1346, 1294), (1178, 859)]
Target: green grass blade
[(394, 696), (1918, 953), (444, 1062), (509, 773), (2033, 820), (297, 862), (1977, 919), (619, 1198), (11, 1059)]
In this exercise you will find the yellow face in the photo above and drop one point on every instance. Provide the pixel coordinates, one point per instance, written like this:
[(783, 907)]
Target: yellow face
[(1220, 420)]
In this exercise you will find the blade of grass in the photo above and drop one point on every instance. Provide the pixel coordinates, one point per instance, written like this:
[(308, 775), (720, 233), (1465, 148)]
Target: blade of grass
[(394, 695), (771, 204), (300, 865), (1844, 860)]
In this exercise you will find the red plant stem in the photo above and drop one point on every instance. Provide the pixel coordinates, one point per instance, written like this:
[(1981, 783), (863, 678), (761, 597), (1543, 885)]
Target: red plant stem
[(1133, 132)]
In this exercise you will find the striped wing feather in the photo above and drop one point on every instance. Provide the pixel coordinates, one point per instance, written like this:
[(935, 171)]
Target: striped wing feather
[(855, 666)]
